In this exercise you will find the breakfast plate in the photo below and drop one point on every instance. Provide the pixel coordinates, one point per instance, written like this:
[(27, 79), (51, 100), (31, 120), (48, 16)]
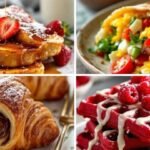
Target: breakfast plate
[(85, 39)]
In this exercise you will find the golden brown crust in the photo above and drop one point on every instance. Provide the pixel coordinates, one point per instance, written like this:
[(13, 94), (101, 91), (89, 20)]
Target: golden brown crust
[(37, 68), (32, 125), (47, 87), (30, 44)]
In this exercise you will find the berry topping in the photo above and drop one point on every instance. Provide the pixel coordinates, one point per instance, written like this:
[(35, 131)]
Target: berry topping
[(146, 102), (128, 94), (55, 27), (144, 87), (63, 57), (81, 80), (114, 89), (113, 136), (8, 27), (139, 79)]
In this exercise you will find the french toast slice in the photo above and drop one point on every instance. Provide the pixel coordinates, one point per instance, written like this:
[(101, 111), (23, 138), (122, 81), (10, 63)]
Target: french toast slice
[(30, 44), (36, 68), (17, 55)]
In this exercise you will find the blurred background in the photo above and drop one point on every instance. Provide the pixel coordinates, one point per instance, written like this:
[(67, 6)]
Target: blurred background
[(46, 10), (86, 9)]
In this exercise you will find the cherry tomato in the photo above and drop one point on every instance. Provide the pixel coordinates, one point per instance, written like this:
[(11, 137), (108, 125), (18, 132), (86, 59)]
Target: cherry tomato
[(123, 65), (139, 61), (146, 22), (147, 43), (126, 34)]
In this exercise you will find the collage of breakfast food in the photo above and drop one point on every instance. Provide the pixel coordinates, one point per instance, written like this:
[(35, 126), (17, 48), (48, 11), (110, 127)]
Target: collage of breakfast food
[(74, 75)]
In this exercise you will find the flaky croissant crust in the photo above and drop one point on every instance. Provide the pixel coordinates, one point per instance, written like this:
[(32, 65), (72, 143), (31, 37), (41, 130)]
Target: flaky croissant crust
[(31, 123), (46, 87)]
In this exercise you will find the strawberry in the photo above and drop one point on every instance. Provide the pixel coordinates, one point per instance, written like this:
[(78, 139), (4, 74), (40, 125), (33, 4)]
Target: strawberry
[(55, 26), (8, 27), (63, 57)]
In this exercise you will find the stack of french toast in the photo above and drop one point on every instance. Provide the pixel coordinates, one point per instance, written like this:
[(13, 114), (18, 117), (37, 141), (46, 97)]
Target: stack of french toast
[(24, 43)]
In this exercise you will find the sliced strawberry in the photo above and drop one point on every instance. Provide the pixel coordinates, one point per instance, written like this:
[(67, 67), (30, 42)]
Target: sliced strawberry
[(8, 27)]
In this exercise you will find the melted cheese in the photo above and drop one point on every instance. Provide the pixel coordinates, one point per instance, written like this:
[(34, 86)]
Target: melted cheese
[(145, 69)]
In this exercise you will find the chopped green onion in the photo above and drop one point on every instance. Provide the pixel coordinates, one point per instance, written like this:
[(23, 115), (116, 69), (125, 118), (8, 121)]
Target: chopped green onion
[(106, 57), (92, 49), (135, 52), (135, 38), (132, 20)]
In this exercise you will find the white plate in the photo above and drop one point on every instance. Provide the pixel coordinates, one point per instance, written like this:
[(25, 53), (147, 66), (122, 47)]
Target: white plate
[(86, 36)]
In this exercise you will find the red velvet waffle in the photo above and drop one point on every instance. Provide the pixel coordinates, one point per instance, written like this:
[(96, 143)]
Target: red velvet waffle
[(125, 110)]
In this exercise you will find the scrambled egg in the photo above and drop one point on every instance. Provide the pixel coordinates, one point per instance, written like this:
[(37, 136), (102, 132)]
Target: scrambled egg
[(145, 69), (121, 23), (116, 54), (145, 33)]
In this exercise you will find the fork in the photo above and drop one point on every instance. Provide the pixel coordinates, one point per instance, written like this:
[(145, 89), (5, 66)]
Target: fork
[(66, 120)]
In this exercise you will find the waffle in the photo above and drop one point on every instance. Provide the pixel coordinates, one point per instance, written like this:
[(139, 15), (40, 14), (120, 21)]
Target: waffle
[(129, 122)]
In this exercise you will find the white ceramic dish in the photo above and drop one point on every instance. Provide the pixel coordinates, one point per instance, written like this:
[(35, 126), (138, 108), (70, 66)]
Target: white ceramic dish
[(85, 39)]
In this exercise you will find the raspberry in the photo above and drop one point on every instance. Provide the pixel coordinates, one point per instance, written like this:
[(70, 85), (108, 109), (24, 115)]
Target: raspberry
[(63, 57), (81, 80), (55, 27), (144, 87), (139, 79), (146, 102), (128, 94)]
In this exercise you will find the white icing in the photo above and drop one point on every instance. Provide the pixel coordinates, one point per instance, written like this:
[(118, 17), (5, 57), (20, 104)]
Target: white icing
[(143, 121), (121, 123), (101, 122), (121, 119)]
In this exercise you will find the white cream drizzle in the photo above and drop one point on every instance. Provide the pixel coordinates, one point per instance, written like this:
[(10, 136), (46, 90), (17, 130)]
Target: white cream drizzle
[(101, 122), (143, 121), (121, 123), (121, 119)]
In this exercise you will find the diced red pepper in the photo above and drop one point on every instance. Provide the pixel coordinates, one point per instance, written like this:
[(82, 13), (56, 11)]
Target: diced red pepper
[(139, 61), (146, 23), (126, 34), (147, 43)]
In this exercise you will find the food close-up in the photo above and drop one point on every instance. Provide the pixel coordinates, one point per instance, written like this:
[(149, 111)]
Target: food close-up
[(29, 119), (118, 39), (117, 116), (33, 46)]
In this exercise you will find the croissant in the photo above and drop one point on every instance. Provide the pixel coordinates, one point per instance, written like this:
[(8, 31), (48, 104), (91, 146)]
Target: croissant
[(46, 87), (24, 123)]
